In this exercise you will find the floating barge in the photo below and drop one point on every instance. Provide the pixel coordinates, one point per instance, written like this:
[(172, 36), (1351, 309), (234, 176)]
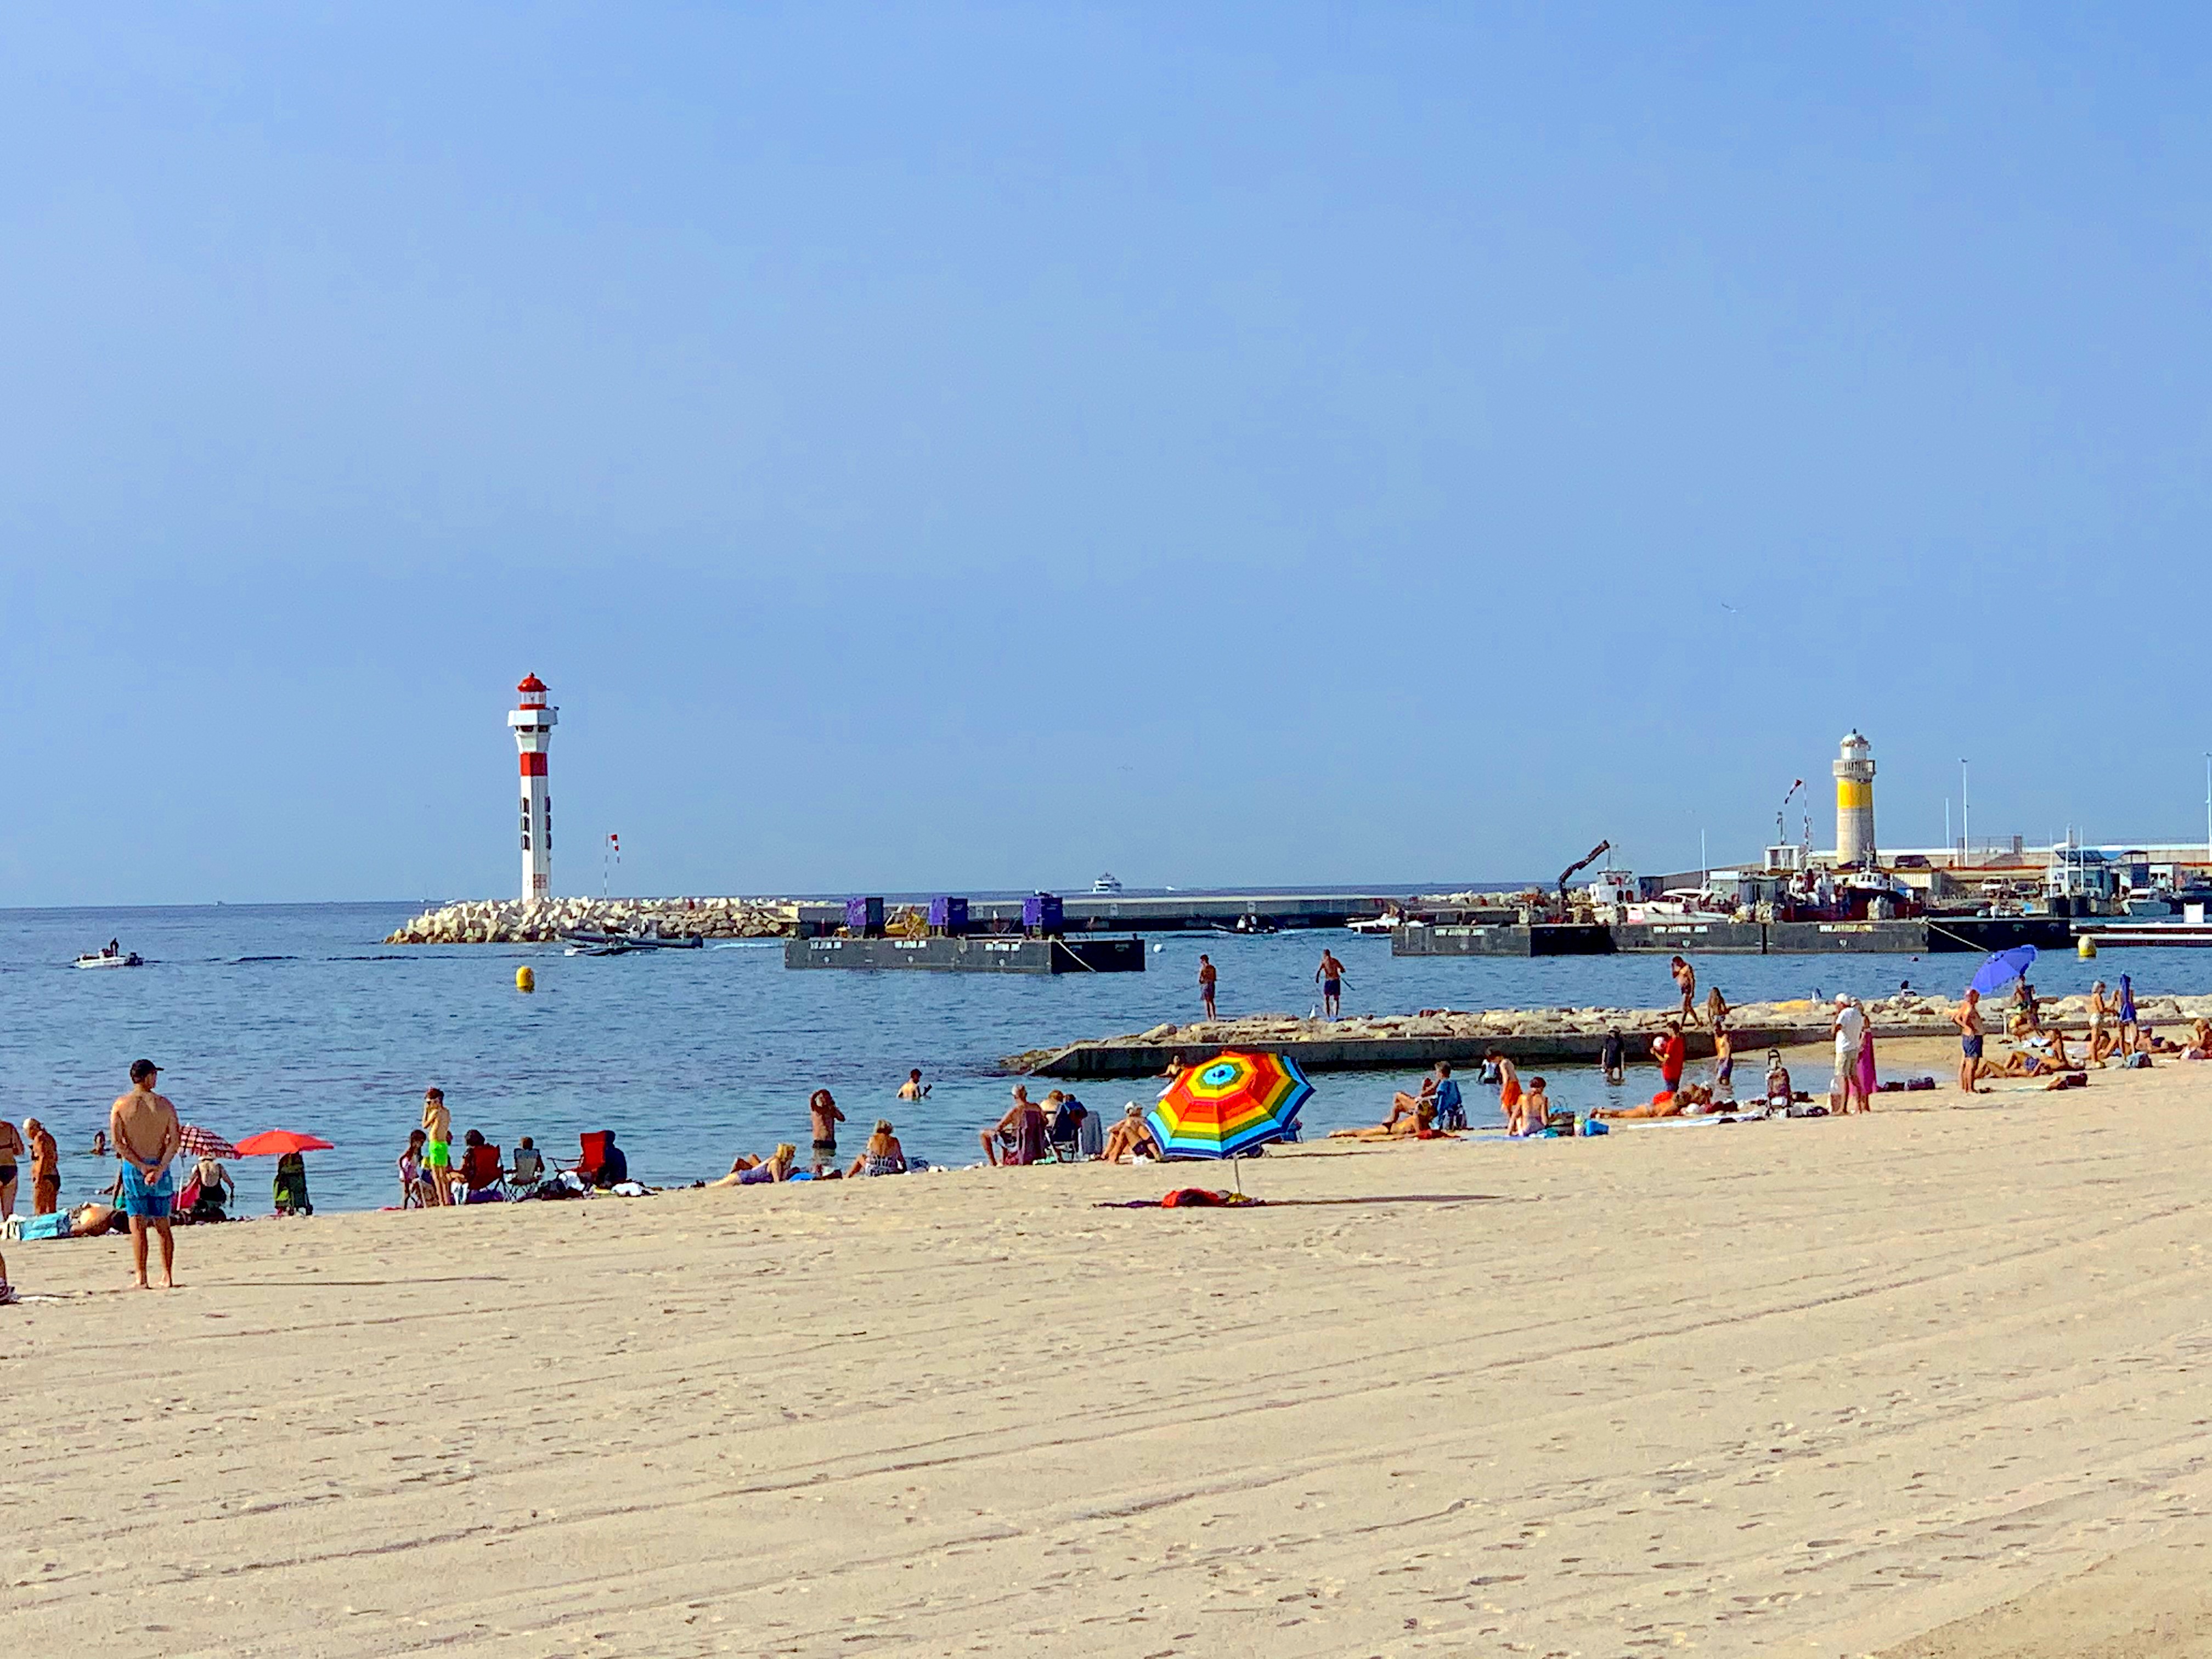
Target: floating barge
[(982, 955)]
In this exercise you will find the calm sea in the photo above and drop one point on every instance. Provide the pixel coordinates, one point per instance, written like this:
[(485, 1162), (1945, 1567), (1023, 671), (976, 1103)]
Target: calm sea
[(294, 1017)]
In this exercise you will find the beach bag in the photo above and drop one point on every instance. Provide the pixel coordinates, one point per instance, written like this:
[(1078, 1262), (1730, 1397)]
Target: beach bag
[(2136, 1063), (45, 1226)]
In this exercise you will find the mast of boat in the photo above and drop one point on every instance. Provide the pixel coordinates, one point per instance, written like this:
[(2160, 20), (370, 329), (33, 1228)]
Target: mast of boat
[(610, 851)]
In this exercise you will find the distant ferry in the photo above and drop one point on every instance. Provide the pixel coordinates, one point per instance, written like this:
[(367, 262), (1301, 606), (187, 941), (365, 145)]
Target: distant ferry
[(1109, 883)]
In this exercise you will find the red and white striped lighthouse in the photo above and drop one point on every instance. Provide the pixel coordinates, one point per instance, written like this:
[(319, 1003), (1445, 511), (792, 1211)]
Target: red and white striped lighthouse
[(534, 723)]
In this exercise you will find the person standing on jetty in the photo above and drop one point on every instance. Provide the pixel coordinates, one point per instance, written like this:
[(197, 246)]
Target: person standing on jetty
[(1331, 975), (1208, 976), (144, 1128), (1686, 982)]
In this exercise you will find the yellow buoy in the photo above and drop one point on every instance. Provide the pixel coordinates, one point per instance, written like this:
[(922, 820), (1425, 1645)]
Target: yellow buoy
[(2087, 949), (526, 980)]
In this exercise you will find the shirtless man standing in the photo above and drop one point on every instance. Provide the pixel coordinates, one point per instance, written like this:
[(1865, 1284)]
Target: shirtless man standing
[(11, 1154), (1686, 981), (1330, 974), (438, 1137), (1208, 977), (46, 1169), (1968, 1019), (144, 1128)]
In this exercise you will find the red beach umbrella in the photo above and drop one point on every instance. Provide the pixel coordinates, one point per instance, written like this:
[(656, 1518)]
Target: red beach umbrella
[(274, 1143)]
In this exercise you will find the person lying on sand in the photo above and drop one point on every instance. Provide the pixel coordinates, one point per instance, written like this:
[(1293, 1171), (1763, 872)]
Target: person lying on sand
[(1131, 1137), (760, 1172), (1399, 1126), (882, 1155), (2023, 1062), (1665, 1103)]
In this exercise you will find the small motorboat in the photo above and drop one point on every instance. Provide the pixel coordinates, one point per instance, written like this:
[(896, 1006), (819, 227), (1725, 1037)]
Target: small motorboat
[(111, 958), (1383, 925), (593, 942)]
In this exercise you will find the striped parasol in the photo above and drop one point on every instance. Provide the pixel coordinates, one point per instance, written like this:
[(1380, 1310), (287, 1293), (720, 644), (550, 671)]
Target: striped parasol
[(1228, 1105), (205, 1143)]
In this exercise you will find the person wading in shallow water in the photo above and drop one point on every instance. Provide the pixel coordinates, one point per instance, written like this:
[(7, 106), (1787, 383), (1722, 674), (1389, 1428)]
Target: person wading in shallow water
[(1207, 977)]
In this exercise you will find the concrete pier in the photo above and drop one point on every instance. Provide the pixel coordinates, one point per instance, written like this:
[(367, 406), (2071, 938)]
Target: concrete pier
[(1531, 1035), (1011, 955)]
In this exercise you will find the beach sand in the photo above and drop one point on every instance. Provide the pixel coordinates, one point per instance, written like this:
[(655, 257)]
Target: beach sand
[(1931, 1382)]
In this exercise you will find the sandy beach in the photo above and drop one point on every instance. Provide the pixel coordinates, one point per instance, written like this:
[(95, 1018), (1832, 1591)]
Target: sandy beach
[(1930, 1382)]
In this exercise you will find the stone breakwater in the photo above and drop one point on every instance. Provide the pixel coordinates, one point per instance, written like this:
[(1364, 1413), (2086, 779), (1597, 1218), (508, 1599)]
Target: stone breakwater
[(530, 921), (1550, 1035)]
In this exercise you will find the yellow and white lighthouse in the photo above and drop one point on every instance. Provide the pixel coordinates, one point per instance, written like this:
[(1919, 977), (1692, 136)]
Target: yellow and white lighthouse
[(1854, 771), (533, 724)]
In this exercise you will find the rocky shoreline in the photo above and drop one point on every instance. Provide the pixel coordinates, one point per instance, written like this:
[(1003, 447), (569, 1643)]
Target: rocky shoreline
[(1547, 1033), (536, 922)]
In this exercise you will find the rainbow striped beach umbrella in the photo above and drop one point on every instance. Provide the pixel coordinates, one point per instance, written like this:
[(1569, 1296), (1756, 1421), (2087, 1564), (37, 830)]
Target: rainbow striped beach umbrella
[(1230, 1104)]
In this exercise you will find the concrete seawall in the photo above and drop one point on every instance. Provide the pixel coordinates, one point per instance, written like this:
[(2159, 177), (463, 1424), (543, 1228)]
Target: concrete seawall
[(519, 922)]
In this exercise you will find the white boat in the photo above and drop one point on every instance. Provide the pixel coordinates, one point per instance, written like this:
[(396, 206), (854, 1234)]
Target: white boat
[(1109, 883), (1383, 925), (111, 959)]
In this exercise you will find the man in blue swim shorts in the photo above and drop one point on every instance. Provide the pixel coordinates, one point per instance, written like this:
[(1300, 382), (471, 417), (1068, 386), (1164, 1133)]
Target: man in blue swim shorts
[(143, 1127)]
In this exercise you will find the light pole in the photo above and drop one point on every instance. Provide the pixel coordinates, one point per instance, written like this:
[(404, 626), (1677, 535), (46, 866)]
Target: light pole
[(1964, 833), (2208, 809)]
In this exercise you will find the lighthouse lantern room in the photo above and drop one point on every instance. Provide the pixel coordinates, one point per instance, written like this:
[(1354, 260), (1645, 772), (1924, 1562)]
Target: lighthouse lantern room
[(534, 722)]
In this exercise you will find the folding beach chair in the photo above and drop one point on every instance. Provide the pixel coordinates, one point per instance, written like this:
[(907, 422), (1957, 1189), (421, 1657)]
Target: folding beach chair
[(484, 1175), (594, 1155)]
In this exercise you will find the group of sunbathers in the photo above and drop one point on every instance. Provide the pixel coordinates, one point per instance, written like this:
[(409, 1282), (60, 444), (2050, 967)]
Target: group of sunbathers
[(2116, 1032)]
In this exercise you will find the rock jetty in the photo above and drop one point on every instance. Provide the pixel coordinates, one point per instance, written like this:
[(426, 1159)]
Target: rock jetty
[(1551, 1034), (530, 921)]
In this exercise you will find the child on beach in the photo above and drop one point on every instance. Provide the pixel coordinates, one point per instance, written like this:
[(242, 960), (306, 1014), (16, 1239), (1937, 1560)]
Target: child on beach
[(1528, 1115), (822, 1107), (411, 1172)]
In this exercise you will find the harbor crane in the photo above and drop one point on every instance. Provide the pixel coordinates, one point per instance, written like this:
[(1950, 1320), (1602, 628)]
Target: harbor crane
[(1582, 863)]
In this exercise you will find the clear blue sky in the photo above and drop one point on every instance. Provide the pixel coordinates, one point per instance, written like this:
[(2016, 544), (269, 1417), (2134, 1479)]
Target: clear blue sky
[(964, 447)]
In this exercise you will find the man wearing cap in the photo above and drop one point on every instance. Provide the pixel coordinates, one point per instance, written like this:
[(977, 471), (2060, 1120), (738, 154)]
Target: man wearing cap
[(1850, 1032), (142, 1127)]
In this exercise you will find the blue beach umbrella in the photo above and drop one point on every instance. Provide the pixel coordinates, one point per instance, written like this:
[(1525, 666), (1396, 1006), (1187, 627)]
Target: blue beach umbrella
[(2003, 968)]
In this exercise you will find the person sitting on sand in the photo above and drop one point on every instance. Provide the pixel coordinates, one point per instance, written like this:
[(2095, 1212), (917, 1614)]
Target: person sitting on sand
[(1020, 1137), (1131, 1137), (1399, 1126), (414, 1187), (1779, 1093), (1064, 1128), (1405, 1105), (882, 1155), (2200, 1041), (760, 1172), (217, 1191), (1451, 1105), (1535, 1110)]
